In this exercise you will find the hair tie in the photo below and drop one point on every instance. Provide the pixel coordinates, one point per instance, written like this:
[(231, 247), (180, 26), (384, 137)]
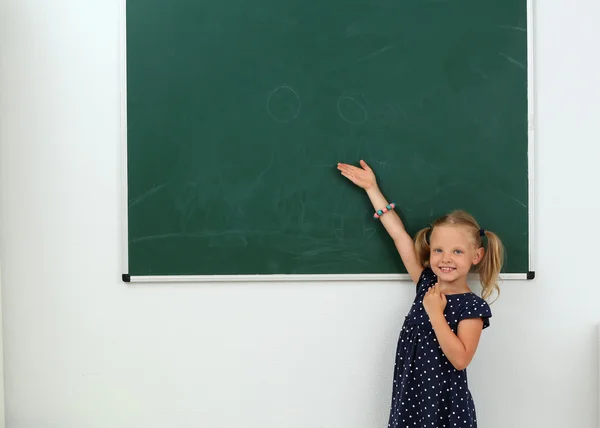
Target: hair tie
[(482, 232)]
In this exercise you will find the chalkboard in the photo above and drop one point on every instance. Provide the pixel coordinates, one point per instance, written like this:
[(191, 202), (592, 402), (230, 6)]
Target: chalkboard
[(237, 113)]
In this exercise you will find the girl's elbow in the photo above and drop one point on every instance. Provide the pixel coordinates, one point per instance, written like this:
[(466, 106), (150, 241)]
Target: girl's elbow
[(460, 366), (461, 363)]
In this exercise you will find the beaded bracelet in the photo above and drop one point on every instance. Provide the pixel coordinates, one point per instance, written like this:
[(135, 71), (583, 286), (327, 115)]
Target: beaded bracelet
[(379, 213)]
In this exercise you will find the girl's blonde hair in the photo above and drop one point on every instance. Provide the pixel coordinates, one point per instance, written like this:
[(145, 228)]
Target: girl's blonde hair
[(490, 265)]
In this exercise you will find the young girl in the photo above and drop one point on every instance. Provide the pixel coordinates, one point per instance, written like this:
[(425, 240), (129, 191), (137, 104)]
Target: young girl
[(441, 332)]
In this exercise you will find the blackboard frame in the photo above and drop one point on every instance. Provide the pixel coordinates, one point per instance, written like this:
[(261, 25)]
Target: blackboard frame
[(126, 277)]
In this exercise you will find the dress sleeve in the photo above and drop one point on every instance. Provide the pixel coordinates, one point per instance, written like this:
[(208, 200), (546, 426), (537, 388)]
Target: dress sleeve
[(426, 279), (476, 308)]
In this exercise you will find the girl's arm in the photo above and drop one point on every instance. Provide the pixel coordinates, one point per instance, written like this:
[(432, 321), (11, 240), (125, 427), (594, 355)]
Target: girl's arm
[(365, 178), (458, 348)]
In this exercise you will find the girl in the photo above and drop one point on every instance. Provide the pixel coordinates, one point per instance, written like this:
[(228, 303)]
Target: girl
[(441, 332)]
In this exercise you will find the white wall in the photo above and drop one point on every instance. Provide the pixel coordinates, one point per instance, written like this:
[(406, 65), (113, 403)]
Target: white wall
[(1, 361), (84, 350)]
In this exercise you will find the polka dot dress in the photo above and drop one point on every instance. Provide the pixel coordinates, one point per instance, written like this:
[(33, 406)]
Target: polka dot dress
[(428, 392)]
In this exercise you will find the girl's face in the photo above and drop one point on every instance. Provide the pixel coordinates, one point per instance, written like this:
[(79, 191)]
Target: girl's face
[(453, 252)]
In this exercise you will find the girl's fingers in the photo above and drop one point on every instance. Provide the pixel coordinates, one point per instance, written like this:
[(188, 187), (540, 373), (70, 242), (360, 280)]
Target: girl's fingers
[(350, 172), (347, 172), (346, 167)]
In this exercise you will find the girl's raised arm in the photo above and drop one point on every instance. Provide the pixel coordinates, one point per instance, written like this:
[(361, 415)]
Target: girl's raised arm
[(365, 178)]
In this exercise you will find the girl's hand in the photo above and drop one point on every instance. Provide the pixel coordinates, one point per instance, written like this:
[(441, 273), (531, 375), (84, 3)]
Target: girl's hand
[(362, 177), (434, 302)]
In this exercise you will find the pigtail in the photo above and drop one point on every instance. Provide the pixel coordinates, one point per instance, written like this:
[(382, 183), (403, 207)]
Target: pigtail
[(422, 246), (491, 264)]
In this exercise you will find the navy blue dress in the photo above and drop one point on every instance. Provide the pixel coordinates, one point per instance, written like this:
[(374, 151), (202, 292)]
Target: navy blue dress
[(428, 392)]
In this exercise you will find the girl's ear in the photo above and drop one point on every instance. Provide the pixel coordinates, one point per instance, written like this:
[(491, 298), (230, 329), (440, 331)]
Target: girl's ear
[(478, 255)]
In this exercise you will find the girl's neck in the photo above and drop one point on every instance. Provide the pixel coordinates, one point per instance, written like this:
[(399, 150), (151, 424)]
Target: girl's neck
[(459, 286)]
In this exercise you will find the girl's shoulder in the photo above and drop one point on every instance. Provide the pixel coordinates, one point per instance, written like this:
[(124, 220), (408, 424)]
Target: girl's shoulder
[(477, 301), (427, 279), (470, 305)]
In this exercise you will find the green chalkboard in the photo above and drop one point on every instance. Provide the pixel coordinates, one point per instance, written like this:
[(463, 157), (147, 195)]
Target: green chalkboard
[(237, 113)]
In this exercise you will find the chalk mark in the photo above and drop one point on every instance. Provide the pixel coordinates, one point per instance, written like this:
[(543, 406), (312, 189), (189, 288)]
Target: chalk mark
[(250, 188), (389, 114), (383, 164), (480, 72), (300, 240), (377, 52), (369, 232), (511, 59), (512, 27), (294, 93), (203, 235), (518, 202), (146, 195), (510, 196), (358, 104)]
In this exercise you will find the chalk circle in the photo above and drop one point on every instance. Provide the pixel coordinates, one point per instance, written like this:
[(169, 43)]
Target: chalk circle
[(283, 104), (352, 110)]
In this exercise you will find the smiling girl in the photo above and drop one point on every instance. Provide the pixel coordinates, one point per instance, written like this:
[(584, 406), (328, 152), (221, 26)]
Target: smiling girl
[(441, 332)]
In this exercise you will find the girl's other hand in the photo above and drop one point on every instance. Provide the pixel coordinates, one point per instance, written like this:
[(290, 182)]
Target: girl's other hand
[(363, 177), (434, 301)]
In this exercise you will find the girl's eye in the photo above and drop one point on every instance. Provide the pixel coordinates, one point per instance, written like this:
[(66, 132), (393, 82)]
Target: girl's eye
[(437, 250), (458, 251)]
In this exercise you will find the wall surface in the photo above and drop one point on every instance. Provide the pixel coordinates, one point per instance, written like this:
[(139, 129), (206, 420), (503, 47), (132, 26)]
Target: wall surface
[(84, 350)]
